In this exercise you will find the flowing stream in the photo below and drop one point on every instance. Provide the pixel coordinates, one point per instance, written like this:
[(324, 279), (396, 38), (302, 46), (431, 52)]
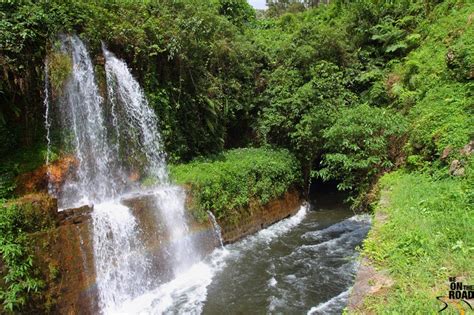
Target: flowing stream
[(303, 264)]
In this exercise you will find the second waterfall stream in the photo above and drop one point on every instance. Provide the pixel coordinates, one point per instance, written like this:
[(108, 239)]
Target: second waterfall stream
[(113, 136)]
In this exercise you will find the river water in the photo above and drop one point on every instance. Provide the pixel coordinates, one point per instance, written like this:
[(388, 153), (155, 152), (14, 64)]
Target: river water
[(305, 264)]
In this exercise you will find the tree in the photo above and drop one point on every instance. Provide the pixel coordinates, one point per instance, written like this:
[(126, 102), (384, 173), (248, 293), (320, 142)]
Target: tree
[(278, 7), (299, 112), (357, 146), (239, 12)]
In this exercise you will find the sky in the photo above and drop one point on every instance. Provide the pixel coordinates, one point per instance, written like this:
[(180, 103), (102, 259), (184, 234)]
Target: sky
[(258, 4)]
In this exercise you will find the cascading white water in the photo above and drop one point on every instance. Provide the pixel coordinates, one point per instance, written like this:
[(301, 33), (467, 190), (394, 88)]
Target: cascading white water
[(98, 176), (129, 102), (111, 139), (47, 123), (217, 228), (120, 262), (135, 123)]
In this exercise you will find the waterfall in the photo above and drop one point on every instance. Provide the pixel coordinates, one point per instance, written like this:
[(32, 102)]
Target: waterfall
[(117, 143), (133, 113), (98, 176), (47, 123), (134, 122), (120, 264), (217, 228)]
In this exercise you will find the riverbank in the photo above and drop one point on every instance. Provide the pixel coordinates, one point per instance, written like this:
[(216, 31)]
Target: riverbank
[(422, 235)]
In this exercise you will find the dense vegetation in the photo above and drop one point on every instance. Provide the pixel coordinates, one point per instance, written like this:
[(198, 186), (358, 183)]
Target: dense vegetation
[(427, 239), (227, 184), (352, 90), (21, 283)]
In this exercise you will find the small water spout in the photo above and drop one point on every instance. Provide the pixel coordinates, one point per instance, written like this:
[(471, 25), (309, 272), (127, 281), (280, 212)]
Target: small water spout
[(47, 124), (217, 228)]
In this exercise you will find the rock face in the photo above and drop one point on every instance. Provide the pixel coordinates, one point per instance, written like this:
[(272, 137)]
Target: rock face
[(258, 217), (37, 181), (457, 167), (65, 256)]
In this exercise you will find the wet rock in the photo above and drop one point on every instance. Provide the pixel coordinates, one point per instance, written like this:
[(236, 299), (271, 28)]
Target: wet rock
[(155, 237), (467, 149), (369, 282), (258, 217), (456, 168), (65, 256), (75, 215), (37, 181), (61, 244), (446, 152)]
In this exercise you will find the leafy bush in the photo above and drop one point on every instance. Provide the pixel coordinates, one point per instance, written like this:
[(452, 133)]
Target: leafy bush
[(357, 146), (226, 184), (20, 280)]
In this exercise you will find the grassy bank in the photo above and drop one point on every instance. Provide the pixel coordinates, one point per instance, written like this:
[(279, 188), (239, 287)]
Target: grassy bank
[(228, 183), (428, 236)]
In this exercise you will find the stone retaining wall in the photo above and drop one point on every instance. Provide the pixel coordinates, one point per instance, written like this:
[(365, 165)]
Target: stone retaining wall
[(258, 217)]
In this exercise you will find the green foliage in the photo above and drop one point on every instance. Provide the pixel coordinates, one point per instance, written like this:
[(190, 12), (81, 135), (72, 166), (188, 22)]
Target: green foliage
[(22, 160), (431, 84), (239, 12), (228, 183), (428, 237), (299, 112), (192, 59), (60, 68), (279, 7), (19, 278), (357, 146)]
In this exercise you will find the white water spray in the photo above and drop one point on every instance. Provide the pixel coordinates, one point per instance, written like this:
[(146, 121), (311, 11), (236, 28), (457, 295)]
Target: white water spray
[(47, 123), (120, 263), (98, 176), (217, 228), (136, 123)]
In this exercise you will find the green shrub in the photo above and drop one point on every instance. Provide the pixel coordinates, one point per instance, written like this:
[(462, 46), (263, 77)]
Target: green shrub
[(358, 146), (19, 278), (226, 184)]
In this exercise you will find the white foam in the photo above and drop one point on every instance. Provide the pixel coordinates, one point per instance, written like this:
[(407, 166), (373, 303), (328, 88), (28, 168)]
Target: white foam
[(275, 230), (185, 294), (331, 305), (272, 282), (119, 261)]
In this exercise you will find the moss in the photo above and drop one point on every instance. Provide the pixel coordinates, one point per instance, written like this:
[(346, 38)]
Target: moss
[(60, 68)]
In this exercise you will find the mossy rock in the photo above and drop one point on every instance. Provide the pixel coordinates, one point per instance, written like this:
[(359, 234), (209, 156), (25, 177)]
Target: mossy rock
[(39, 211)]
